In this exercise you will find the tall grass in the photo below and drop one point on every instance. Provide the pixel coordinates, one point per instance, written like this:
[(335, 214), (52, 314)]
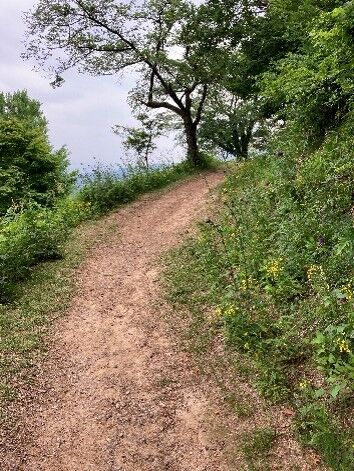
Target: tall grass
[(103, 188)]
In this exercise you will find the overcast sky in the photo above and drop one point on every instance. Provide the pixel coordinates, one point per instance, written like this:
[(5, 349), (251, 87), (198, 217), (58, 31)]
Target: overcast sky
[(82, 112)]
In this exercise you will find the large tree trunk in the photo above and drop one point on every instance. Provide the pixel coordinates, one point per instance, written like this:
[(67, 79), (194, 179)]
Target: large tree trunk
[(193, 153)]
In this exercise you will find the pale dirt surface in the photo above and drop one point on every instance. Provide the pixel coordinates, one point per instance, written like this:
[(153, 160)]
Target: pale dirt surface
[(117, 393)]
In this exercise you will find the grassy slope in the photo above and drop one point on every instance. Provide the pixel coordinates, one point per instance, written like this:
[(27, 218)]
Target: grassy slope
[(275, 269)]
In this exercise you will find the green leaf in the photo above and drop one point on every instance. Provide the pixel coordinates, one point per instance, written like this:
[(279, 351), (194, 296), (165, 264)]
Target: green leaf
[(337, 389), (319, 393)]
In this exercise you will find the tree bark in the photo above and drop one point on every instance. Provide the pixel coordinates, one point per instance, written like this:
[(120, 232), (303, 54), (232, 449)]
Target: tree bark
[(193, 154)]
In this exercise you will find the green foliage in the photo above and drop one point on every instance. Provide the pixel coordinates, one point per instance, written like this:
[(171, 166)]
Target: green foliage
[(334, 347), (30, 171), (18, 105), (104, 189), (141, 140), (35, 235), (233, 126), (314, 86), (316, 430), (276, 266), (256, 447)]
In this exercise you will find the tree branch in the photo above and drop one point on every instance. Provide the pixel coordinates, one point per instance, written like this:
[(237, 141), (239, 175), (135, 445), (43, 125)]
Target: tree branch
[(164, 104)]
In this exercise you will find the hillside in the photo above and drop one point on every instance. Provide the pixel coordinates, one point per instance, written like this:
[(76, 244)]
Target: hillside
[(274, 266)]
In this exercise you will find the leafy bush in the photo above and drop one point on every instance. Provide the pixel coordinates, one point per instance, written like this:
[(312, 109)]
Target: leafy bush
[(30, 171), (106, 187), (35, 235), (314, 86)]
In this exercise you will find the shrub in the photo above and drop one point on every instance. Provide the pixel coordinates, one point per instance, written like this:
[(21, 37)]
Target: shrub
[(107, 187), (34, 235), (30, 170)]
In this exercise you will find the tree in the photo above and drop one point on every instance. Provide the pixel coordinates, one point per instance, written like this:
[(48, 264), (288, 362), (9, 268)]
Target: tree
[(18, 105), (313, 88), (29, 168), (225, 29), (141, 140), (232, 124), (108, 36)]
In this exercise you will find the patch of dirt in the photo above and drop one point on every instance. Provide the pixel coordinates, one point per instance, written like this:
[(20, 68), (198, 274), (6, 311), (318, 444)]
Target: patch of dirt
[(116, 392)]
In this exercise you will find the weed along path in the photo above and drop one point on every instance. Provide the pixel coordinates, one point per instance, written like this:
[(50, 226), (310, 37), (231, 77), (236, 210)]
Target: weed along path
[(117, 394)]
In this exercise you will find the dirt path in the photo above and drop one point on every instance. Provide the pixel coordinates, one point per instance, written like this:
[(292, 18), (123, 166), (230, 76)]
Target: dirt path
[(119, 397)]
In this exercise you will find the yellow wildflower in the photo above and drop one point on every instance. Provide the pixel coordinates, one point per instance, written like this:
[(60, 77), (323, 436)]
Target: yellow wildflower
[(347, 290), (274, 268), (314, 270), (246, 283), (343, 346), (229, 311), (218, 312), (225, 311)]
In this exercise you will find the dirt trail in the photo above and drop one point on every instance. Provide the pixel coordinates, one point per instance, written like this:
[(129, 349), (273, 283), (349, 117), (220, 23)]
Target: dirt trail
[(120, 397)]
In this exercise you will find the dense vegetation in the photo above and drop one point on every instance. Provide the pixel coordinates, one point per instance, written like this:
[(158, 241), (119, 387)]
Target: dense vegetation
[(30, 171), (38, 233), (276, 263), (39, 204)]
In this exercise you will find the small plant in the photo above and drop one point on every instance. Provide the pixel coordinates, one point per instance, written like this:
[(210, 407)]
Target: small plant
[(242, 408), (334, 354), (318, 431), (256, 447)]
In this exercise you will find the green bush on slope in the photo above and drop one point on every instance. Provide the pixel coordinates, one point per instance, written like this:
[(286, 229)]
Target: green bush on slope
[(277, 267), (31, 171), (35, 235)]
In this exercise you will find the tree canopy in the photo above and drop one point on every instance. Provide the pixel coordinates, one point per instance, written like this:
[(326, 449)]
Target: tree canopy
[(30, 170), (269, 52), (174, 47)]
